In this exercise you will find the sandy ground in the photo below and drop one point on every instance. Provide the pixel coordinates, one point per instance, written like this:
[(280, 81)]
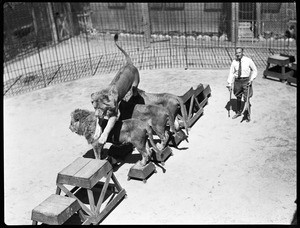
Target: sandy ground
[(229, 172)]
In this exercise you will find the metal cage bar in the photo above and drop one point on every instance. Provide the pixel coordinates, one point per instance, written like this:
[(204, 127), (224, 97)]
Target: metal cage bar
[(49, 43)]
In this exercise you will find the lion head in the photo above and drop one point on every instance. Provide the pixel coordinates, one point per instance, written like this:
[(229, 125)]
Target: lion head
[(105, 102), (83, 122)]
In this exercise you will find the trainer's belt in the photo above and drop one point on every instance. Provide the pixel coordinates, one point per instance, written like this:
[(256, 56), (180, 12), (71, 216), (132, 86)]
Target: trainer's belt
[(244, 78)]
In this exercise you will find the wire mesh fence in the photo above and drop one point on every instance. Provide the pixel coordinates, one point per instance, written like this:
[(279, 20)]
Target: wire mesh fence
[(51, 42)]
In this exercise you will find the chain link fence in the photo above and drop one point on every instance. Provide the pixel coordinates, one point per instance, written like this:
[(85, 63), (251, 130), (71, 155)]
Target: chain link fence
[(46, 43)]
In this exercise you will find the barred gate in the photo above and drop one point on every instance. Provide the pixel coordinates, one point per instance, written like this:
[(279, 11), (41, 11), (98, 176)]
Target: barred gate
[(47, 43)]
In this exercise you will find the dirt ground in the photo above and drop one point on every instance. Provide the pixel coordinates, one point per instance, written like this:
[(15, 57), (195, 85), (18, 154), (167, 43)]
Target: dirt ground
[(230, 172)]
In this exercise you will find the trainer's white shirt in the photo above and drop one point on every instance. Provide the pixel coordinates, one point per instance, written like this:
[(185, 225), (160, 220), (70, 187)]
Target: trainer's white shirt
[(248, 69)]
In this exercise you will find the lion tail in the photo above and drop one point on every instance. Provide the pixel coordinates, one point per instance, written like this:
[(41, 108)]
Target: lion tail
[(128, 59), (183, 112)]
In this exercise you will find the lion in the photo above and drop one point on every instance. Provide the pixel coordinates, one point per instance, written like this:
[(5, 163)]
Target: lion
[(106, 101), (170, 101), (134, 131), (158, 117)]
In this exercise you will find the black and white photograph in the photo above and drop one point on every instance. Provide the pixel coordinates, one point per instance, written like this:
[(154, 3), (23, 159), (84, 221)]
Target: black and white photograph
[(150, 113)]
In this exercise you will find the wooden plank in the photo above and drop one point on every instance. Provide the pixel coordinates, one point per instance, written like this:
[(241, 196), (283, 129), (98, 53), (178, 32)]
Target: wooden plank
[(207, 90), (55, 210), (103, 191), (279, 60), (187, 95), (84, 172), (117, 184), (190, 113), (110, 206), (89, 170), (64, 175), (70, 194), (91, 200), (199, 89), (195, 117)]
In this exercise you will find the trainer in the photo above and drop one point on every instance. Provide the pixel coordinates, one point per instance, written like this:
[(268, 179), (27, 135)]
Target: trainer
[(242, 73)]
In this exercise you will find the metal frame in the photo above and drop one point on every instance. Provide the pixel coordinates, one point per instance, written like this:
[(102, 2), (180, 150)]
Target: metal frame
[(186, 37)]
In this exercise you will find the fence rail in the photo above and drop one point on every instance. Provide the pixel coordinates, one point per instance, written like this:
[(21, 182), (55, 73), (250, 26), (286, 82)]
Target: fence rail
[(49, 43)]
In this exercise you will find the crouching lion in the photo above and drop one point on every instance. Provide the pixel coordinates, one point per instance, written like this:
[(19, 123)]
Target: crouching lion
[(158, 117), (134, 131), (170, 101)]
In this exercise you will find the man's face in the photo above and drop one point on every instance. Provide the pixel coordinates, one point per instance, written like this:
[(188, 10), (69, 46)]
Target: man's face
[(238, 53)]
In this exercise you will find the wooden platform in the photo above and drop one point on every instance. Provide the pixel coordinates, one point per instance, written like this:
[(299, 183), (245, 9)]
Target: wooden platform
[(195, 100), (141, 173), (55, 210), (85, 173), (165, 154), (178, 138), (280, 70)]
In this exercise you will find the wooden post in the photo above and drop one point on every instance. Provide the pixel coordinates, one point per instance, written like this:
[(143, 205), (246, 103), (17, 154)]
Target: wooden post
[(34, 20), (235, 21), (258, 18), (146, 23), (185, 37), (37, 42), (52, 22), (70, 19)]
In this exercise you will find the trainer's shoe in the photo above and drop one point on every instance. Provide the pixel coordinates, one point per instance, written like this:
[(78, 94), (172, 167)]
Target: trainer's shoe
[(237, 115)]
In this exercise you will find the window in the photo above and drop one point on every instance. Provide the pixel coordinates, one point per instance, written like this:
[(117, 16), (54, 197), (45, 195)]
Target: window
[(155, 6), (166, 6), (174, 6), (117, 5), (273, 7), (213, 7)]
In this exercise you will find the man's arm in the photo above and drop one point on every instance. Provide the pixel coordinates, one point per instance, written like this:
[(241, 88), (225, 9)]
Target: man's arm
[(253, 70), (98, 130), (110, 125), (230, 76)]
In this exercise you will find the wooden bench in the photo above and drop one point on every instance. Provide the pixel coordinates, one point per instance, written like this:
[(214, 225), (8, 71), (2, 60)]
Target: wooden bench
[(281, 69), (195, 100), (85, 173), (55, 210)]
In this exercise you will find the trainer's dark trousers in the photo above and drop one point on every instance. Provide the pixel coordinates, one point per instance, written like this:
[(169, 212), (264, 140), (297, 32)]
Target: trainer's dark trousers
[(240, 89)]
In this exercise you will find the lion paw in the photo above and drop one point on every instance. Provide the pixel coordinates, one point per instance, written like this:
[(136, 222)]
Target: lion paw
[(140, 164), (159, 146)]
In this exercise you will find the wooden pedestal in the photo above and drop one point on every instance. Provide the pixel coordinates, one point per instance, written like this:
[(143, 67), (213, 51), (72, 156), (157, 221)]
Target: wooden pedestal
[(55, 210), (178, 138), (85, 173), (280, 70), (167, 152), (141, 173)]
